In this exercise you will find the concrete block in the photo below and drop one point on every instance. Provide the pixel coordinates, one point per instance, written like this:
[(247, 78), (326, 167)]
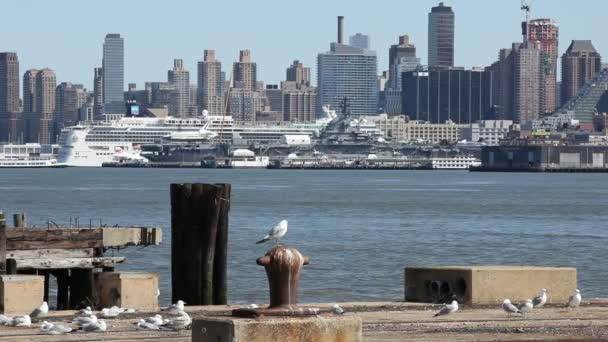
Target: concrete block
[(301, 329), (20, 294), (488, 284), (135, 290)]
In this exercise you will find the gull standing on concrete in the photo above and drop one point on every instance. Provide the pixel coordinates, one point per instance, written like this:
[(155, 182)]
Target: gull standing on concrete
[(86, 312), (276, 233), (156, 320), (447, 309), (180, 323), (175, 309), (98, 326), (112, 312), (20, 321), (143, 325), (336, 309), (81, 321), (575, 300), (526, 306), (509, 308), (541, 299), (40, 311)]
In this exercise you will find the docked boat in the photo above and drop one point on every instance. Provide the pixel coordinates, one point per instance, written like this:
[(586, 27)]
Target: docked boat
[(30, 155), (457, 162)]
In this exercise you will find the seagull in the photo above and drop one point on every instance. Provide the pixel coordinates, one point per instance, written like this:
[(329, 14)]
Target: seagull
[(276, 233), (448, 309), (86, 312), (4, 320), (156, 320), (541, 299), (251, 306), (143, 325), (112, 312), (54, 329), (175, 309), (81, 321), (336, 309), (526, 307), (97, 326), (509, 308), (40, 311), (575, 300), (179, 323), (20, 321)]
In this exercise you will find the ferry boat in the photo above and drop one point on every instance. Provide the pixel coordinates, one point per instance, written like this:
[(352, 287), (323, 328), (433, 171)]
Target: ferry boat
[(30, 155), (458, 162)]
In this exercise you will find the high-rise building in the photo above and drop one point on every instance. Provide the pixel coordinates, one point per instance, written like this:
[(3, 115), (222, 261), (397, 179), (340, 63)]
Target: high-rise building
[(274, 95), (159, 94), (350, 73), (359, 40), (9, 97), (528, 83), (580, 63), (69, 98), (298, 73), (97, 92), (439, 95), (441, 37), (244, 72), (180, 78), (29, 91), (299, 103), (46, 82), (243, 104), (210, 84), (544, 33), (113, 74), (401, 58)]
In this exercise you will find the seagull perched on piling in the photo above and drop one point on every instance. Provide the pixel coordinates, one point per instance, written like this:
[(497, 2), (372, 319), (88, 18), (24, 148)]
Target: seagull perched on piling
[(40, 311), (541, 299), (448, 309), (509, 308), (575, 300), (175, 309), (276, 233)]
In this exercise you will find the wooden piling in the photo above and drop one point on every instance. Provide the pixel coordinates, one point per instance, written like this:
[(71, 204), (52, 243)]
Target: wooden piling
[(19, 220), (199, 233)]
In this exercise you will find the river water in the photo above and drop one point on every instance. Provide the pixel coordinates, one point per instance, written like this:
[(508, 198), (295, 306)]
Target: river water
[(360, 228)]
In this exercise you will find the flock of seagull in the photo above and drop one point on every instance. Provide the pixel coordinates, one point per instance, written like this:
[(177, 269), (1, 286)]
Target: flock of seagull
[(524, 308), (85, 320)]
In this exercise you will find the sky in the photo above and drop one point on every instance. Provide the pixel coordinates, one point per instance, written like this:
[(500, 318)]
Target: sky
[(67, 35)]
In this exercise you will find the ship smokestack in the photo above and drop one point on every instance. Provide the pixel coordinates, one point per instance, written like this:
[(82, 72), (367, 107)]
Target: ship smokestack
[(340, 29)]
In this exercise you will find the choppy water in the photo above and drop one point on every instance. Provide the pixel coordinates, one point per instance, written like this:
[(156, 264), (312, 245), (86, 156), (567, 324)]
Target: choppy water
[(360, 228)]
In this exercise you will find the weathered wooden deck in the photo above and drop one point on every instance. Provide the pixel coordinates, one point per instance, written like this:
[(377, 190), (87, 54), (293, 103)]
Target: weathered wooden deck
[(385, 321)]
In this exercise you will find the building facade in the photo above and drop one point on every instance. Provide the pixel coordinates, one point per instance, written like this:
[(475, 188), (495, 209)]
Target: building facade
[(487, 131), (97, 92), (298, 73), (544, 34), (580, 63), (9, 97), (244, 72), (359, 40), (211, 84), (400, 129), (46, 83), (180, 99), (299, 104), (113, 74), (441, 37), (243, 104), (401, 58), (528, 83)]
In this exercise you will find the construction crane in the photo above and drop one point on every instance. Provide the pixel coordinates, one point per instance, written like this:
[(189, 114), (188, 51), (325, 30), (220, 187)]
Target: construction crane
[(526, 6)]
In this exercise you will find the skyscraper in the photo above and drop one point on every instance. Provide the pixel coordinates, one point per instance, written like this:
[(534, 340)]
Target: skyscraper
[(210, 84), (359, 40), (68, 100), (298, 73), (180, 78), (244, 72), (528, 82), (350, 73), (544, 33), (113, 74), (29, 91), (401, 58), (46, 82), (580, 63), (9, 82), (441, 37), (97, 91)]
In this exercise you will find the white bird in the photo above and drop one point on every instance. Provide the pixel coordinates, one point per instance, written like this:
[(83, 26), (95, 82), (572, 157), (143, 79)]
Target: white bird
[(509, 308), (336, 309), (575, 300), (276, 233), (86, 312), (448, 309), (157, 292), (54, 329), (112, 312), (541, 299), (251, 306), (175, 309), (181, 322), (81, 321), (4, 320), (156, 320), (40, 311), (97, 326), (143, 325), (20, 321), (526, 306)]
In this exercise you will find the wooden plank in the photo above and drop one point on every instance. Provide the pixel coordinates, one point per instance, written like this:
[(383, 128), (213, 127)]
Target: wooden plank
[(37, 238), (45, 264), (133, 236), (53, 253), (2, 243)]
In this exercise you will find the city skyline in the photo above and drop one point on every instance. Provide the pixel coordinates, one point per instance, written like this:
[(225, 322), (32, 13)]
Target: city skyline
[(150, 63)]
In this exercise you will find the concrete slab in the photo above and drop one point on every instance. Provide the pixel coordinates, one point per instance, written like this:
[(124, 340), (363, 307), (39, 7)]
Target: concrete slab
[(20, 294), (309, 329), (488, 284), (135, 290)]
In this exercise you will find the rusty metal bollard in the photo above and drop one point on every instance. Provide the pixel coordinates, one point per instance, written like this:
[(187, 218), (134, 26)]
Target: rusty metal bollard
[(283, 265)]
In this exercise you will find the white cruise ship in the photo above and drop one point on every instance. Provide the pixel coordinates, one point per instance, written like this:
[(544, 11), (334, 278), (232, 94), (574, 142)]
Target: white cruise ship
[(94, 143)]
